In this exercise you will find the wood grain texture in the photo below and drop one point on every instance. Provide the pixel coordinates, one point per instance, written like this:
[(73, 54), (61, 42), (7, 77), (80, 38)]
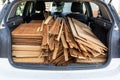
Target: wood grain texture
[(55, 28), (64, 43), (29, 60), (28, 54), (93, 60), (66, 54), (86, 33), (52, 43), (60, 32), (55, 50), (26, 48), (75, 53), (45, 40), (27, 30)]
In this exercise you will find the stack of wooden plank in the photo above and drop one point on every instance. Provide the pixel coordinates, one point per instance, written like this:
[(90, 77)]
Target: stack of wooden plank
[(90, 47), (27, 39), (57, 41), (77, 41)]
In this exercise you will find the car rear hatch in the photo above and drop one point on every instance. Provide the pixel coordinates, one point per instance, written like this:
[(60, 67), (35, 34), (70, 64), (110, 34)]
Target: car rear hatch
[(63, 42)]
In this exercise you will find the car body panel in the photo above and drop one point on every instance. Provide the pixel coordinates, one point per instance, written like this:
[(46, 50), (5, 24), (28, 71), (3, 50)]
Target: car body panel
[(111, 72), (8, 46)]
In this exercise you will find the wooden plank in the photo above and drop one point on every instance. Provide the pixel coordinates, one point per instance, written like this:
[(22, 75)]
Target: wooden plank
[(52, 43), (66, 54), (60, 52), (54, 25), (69, 37), (26, 53), (29, 30), (68, 34), (51, 22), (55, 28), (62, 62), (58, 59), (82, 47), (26, 37), (93, 60), (56, 50), (45, 40), (23, 43), (26, 48), (29, 60), (89, 45), (72, 28), (65, 45), (76, 54), (27, 40), (48, 19), (94, 53), (87, 55), (41, 29), (28, 43), (38, 29), (86, 35), (23, 39), (60, 32), (78, 37), (84, 27)]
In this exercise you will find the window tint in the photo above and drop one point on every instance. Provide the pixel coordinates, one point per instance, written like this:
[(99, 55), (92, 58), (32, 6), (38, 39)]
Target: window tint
[(95, 10), (20, 9)]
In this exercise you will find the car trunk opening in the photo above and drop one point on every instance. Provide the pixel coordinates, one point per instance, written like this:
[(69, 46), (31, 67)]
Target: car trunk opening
[(41, 43), (60, 41)]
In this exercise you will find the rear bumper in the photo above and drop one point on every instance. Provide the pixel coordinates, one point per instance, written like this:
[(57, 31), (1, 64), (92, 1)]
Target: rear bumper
[(111, 72)]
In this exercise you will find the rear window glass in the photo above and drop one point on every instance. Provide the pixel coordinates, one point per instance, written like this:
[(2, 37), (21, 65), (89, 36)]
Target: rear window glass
[(95, 10)]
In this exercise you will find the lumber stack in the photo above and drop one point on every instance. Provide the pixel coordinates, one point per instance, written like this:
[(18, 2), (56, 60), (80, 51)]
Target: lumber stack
[(77, 42), (59, 41), (27, 40), (90, 46)]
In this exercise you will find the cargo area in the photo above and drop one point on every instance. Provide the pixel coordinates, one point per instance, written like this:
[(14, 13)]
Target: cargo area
[(59, 39)]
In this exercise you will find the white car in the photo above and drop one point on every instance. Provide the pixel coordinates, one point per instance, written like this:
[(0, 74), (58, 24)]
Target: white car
[(100, 16)]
